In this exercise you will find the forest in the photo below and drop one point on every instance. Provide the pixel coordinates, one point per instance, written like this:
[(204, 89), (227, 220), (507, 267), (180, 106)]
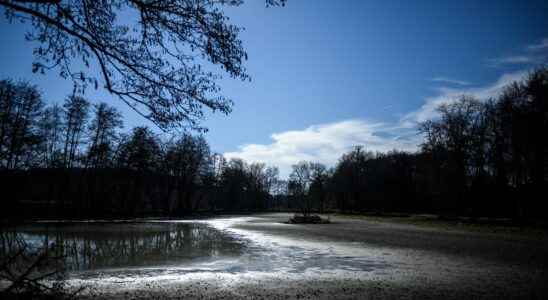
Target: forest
[(479, 158)]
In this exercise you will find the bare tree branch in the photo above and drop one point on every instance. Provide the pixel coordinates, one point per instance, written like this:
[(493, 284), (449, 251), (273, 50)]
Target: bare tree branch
[(158, 58)]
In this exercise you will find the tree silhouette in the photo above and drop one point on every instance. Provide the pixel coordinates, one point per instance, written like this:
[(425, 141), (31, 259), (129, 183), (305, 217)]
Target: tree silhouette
[(318, 184), (458, 132), (50, 126), (76, 111), (20, 105), (299, 185), (140, 151), (479, 158), (103, 133), (153, 55), (185, 160)]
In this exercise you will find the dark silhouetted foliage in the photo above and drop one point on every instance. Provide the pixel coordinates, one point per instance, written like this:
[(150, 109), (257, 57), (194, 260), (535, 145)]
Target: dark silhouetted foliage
[(153, 55), (478, 159)]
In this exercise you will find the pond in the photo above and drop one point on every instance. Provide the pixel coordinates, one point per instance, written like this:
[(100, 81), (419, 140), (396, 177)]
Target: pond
[(87, 246), (246, 257), (149, 248)]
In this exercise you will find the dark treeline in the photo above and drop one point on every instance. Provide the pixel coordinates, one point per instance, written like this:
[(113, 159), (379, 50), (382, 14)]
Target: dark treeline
[(72, 160), (480, 157)]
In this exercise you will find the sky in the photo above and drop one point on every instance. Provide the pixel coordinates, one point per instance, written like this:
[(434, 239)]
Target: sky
[(329, 75)]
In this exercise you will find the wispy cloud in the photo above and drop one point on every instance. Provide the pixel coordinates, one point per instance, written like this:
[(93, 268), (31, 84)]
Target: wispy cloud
[(449, 81), (325, 143), (447, 95), (518, 59), (543, 44), (533, 54)]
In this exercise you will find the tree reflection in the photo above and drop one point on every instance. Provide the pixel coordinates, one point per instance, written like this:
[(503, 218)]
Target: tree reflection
[(114, 245)]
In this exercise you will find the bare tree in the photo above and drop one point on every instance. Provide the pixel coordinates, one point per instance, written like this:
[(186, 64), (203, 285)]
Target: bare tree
[(299, 184), (140, 151), (153, 55), (102, 130), (457, 132), (76, 112), (318, 184), (50, 127), (20, 106), (271, 178), (185, 160)]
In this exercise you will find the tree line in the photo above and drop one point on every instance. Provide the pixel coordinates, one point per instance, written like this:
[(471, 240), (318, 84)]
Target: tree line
[(480, 157), (72, 159)]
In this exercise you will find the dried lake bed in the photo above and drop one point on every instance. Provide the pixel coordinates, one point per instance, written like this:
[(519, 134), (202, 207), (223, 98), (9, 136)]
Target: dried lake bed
[(259, 256)]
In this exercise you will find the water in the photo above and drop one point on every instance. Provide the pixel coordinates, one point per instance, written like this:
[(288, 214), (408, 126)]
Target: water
[(154, 249), (87, 246), (177, 255)]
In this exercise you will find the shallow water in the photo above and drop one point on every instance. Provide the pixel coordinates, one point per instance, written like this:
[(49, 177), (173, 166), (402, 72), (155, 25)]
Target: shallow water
[(173, 255), (96, 250), (88, 246)]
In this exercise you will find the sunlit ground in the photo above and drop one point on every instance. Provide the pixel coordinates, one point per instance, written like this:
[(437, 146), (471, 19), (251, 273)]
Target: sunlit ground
[(260, 256)]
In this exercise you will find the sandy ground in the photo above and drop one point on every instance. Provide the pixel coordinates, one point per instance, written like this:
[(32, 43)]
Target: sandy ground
[(351, 258)]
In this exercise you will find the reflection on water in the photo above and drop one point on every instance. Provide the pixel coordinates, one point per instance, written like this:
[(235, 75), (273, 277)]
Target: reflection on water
[(225, 254), (91, 246), (180, 250)]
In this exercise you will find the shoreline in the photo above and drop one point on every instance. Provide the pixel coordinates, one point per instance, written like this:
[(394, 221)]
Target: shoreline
[(425, 263)]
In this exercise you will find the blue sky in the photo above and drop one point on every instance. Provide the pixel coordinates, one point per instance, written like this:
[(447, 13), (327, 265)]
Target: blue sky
[(327, 75)]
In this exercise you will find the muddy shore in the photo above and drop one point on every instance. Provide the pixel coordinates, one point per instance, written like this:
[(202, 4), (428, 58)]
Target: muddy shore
[(351, 258)]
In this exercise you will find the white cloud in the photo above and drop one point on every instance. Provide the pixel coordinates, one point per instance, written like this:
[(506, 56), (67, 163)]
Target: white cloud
[(325, 143), (449, 80), (447, 95)]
